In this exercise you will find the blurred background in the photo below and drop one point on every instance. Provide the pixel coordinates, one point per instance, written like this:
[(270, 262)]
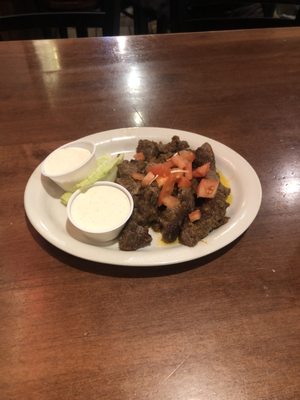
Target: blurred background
[(135, 17)]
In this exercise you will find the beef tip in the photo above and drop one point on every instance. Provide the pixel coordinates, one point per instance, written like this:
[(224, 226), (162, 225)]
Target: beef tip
[(205, 154), (125, 170), (150, 194), (213, 215), (159, 152), (215, 209), (192, 232), (146, 204), (171, 219), (149, 148), (224, 191), (170, 224), (138, 218), (187, 199), (130, 184), (134, 237), (173, 147), (128, 167)]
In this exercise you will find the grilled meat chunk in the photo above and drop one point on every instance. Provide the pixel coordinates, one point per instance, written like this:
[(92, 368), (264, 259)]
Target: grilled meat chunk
[(145, 212), (205, 154), (159, 152), (172, 147), (171, 220), (187, 199), (129, 167), (213, 213), (170, 223), (149, 148), (124, 178), (134, 237), (130, 184)]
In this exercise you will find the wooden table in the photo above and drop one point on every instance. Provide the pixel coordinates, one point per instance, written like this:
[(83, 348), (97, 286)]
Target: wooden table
[(224, 327)]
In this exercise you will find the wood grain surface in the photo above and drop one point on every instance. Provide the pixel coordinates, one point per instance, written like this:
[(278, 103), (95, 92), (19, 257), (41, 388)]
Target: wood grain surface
[(223, 327)]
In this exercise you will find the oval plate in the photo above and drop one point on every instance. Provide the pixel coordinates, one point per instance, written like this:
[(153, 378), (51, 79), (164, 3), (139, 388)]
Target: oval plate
[(49, 216)]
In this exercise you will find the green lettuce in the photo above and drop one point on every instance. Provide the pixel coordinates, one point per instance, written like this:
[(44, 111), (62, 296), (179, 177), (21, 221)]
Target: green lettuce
[(106, 170)]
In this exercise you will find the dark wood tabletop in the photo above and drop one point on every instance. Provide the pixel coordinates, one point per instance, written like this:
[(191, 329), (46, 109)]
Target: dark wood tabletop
[(222, 327)]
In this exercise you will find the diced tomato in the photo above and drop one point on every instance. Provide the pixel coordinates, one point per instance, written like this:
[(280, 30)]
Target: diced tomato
[(170, 201), (148, 179), (177, 173), (137, 176), (166, 189), (183, 182), (187, 155), (161, 180), (139, 156), (189, 171), (207, 188), (179, 161), (161, 169), (201, 171), (195, 215)]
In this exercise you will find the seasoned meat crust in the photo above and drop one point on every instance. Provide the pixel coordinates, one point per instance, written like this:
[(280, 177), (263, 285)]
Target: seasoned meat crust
[(213, 215), (146, 206), (124, 178), (159, 152), (126, 168), (134, 237), (205, 154), (172, 222)]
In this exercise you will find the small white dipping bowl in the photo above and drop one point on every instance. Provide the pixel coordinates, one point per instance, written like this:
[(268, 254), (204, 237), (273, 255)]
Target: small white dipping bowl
[(70, 163), (101, 211)]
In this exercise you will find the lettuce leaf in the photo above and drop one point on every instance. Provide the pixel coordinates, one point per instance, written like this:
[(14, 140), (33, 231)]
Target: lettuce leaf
[(106, 170)]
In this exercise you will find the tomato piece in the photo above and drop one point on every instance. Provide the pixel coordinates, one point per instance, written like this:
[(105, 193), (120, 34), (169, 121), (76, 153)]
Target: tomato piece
[(179, 161), (194, 215), (148, 179), (161, 169), (161, 180), (201, 171), (184, 182), (137, 176), (139, 156), (166, 189), (207, 188), (170, 201), (189, 170), (177, 173), (188, 155)]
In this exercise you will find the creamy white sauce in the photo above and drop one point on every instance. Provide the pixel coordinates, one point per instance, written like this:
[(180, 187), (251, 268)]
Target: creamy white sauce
[(65, 160), (100, 208)]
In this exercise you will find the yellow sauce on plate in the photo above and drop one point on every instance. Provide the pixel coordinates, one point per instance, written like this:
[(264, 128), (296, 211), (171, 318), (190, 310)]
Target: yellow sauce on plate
[(225, 182), (161, 243)]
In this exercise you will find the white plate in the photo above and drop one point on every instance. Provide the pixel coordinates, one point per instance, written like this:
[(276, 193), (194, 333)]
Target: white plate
[(49, 216)]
